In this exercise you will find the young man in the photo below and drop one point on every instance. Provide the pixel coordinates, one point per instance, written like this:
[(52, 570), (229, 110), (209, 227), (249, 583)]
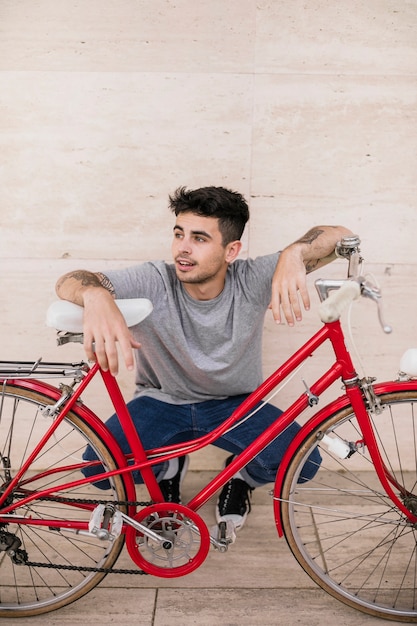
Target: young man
[(199, 352)]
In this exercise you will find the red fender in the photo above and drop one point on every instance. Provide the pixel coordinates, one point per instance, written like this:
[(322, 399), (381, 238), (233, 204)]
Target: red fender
[(311, 424), (88, 416)]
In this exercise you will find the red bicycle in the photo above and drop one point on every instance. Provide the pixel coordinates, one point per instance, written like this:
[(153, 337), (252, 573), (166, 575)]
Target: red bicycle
[(352, 527)]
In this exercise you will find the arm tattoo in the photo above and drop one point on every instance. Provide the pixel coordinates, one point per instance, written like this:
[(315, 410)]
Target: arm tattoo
[(89, 279), (310, 236), (312, 265), (324, 255), (106, 283)]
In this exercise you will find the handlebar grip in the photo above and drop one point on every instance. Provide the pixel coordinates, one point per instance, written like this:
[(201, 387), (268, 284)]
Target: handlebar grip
[(331, 309)]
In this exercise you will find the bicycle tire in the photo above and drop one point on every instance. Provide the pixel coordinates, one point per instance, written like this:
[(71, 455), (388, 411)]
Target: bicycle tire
[(342, 527), (27, 590)]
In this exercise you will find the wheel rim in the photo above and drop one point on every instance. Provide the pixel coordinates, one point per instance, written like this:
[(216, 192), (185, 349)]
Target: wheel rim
[(341, 526), (34, 589)]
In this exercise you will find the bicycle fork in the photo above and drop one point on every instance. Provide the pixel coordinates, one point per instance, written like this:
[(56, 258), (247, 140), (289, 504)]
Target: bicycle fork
[(361, 392)]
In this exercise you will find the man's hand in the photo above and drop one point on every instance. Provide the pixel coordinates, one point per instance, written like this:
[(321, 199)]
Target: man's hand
[(104, 325), (315, 249), (104, 328), (289, 287)]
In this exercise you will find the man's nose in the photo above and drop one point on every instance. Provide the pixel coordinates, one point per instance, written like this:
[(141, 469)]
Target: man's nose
[(185, 245)]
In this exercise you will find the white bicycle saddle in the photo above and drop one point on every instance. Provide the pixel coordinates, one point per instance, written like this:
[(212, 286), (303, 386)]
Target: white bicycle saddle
[(67, 316)]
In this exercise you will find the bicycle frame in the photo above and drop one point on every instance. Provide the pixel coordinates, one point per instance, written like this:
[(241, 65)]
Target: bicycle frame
[(143, 460)]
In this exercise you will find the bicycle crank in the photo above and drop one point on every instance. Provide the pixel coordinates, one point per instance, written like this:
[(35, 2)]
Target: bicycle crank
[(176, 540)]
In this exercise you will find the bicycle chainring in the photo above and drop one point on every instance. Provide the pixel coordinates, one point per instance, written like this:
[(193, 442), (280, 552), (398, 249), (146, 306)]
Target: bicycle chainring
[(186, 545)]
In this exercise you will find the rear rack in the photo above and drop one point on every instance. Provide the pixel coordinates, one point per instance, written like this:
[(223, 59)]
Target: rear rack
[(41, 369)]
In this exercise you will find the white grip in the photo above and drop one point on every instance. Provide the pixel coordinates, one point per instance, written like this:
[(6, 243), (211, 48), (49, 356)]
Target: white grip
[(331, 309)]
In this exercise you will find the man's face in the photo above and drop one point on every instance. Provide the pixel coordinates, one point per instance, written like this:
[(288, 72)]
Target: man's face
[(197, 249)]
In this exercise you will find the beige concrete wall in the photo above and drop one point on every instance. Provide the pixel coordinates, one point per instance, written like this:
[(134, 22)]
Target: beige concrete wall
[(106, 106)]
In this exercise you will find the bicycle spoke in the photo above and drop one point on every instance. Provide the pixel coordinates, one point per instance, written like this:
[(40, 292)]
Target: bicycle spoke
[(342, 526), (35, 584)]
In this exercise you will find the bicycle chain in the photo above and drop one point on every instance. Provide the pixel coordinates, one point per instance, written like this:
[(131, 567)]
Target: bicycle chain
[(101, 570), (90, 501), (80, 568)]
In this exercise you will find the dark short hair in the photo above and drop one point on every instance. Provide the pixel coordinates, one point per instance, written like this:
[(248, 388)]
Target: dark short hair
[(230, 207)]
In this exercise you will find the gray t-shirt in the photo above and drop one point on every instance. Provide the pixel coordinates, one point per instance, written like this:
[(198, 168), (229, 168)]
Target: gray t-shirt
[(195, 350)]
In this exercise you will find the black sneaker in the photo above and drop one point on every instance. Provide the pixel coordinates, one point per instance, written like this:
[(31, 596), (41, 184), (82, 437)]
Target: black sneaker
[(171, 487), (234, 501)]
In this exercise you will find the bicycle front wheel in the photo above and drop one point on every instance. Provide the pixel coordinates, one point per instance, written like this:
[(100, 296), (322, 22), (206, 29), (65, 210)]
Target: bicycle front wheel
[(45, 567), (342, 527)]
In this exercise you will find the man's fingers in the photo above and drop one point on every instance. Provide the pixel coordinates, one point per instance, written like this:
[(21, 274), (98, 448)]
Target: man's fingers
[(305, 297), (287, 305), (106, 355), (275, 307), (89, 346), (290, 307), (127, 343), (106, 334)]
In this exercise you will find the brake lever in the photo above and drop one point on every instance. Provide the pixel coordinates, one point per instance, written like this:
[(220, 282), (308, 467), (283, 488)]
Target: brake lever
[(374, 293)]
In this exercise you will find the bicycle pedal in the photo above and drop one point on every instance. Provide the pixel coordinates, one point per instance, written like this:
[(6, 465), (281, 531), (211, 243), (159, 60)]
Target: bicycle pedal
[(105, 522), (223, 534)]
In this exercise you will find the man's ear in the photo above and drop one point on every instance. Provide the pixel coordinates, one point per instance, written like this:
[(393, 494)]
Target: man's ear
[(232, 250)]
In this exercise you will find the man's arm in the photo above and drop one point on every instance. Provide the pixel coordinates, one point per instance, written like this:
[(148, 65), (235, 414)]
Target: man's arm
[(312, 251), (104, 325), (72, 286)]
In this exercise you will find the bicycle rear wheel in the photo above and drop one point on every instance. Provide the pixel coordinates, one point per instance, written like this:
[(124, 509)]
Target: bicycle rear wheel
[(52, 566), (342, 527)]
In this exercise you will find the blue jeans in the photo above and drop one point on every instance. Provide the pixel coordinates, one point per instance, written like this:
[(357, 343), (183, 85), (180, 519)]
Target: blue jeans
[(159, 423)]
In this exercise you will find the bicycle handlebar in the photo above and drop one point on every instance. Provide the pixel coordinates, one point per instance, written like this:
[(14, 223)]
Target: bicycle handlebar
[(331, 309), (346, 290)]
